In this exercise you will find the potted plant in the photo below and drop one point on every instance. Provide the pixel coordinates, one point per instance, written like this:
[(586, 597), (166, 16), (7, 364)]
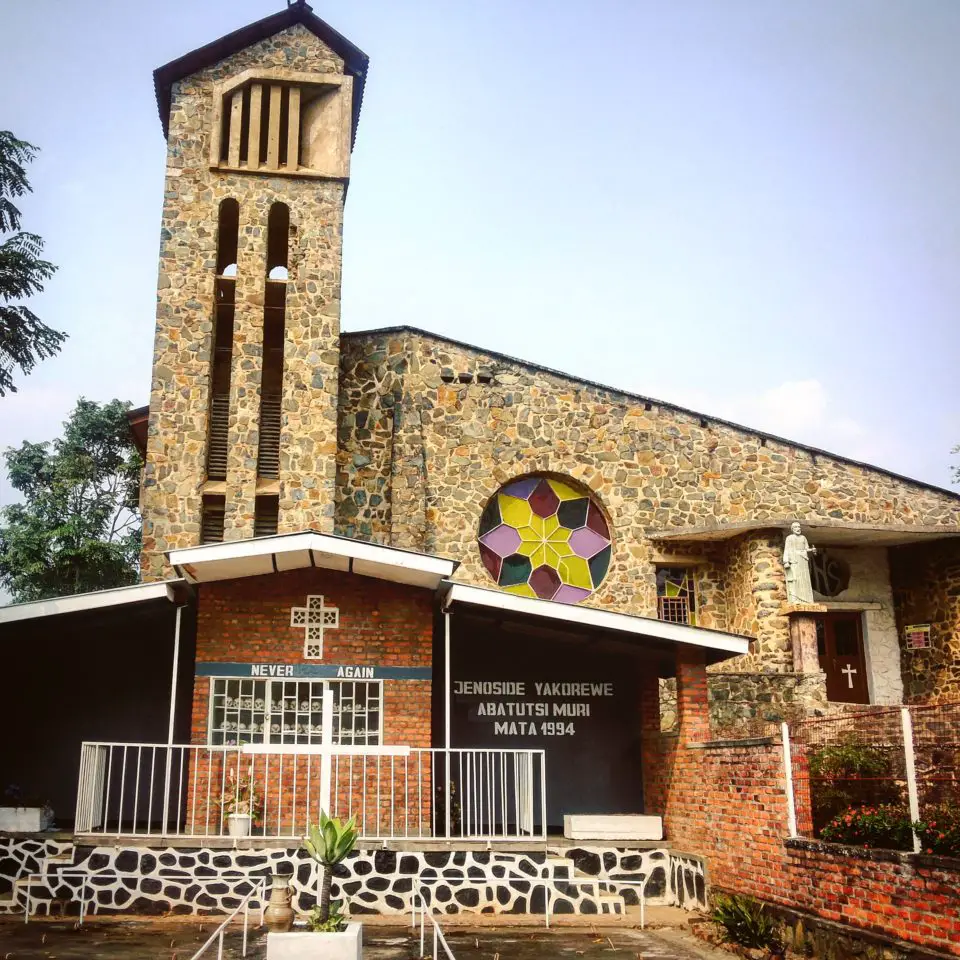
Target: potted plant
[(240, 805), (330, 936), (21, 813)]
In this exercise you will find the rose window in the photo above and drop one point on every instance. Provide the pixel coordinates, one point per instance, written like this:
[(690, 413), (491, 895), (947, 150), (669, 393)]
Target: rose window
[(539, 537)]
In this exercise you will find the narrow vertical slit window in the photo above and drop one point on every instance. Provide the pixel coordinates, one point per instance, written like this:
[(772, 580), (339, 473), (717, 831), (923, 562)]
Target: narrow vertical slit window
[(211, 518), (266, 516), (274, 321), (220, 364)]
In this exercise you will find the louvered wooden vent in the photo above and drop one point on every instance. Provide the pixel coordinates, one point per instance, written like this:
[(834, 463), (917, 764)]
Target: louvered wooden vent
[(211, 520), (266, 516), (219, 423), (268, 456)]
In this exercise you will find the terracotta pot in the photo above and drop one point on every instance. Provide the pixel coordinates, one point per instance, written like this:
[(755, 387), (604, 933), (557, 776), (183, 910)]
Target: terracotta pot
[(279, 914)]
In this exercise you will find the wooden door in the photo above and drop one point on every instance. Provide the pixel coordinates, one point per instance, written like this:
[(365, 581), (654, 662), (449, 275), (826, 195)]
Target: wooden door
[(840, 648)]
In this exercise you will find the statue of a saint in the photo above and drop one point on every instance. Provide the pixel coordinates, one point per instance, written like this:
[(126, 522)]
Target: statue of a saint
[(796, 564)]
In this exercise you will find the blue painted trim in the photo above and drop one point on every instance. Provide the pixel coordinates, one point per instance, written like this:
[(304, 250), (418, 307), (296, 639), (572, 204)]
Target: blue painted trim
[(326, 671)]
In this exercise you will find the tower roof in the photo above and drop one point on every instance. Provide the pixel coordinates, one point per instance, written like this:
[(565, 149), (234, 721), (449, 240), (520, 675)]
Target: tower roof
[(355, 61)]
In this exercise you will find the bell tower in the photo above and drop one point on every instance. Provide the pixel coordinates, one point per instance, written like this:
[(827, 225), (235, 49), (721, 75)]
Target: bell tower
[(242, 431)]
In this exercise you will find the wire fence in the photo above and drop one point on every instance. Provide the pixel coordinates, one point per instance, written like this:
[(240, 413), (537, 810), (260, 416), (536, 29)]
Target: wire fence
[(868, 778)]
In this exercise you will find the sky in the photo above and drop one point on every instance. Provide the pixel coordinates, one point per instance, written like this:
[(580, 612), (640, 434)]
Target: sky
[(751, 209)]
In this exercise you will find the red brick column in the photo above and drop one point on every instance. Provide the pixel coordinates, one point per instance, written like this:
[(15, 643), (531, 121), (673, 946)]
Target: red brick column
[(692, 705), (651, 758)]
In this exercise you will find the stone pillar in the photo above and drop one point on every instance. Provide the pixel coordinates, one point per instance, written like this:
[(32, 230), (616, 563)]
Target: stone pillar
[(803, 635), (245, 371), (693, 707)]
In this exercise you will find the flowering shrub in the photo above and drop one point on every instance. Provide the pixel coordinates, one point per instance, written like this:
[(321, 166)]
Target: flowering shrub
[(940, 830), (849, 774), (885, 826), (888, 826)]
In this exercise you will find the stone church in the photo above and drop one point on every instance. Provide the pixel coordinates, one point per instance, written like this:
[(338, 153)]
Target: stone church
[(316, 501)]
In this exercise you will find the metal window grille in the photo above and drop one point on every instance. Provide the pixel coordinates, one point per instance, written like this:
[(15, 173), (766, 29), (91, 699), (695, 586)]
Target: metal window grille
[(676, 595), (673, 609), (290, 711)]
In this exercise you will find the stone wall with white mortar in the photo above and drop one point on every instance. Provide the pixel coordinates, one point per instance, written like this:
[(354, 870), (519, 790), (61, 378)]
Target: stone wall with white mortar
[(582, 880)]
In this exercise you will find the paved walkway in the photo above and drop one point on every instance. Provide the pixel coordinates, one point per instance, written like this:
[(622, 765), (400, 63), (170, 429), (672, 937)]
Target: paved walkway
[(169, 939)]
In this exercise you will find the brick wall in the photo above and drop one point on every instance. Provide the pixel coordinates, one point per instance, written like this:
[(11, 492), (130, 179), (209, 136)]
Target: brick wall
[(726, 801), (381, 624)]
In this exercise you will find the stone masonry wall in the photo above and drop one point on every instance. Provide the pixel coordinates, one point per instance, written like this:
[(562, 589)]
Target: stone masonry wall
[(926, 588), (180, 395), (470, 421), (756, 591)]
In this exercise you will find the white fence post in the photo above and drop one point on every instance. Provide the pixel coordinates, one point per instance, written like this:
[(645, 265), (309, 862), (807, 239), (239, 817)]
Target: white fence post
[(911, 767), (788, 775), (326, 757)]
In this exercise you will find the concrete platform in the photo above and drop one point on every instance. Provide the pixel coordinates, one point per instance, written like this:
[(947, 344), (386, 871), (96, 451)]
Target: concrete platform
[(629, 827)]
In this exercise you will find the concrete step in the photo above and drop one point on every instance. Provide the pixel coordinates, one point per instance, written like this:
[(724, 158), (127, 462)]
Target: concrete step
[(611, 904), (57, 862), (621, 827), (560, 868)]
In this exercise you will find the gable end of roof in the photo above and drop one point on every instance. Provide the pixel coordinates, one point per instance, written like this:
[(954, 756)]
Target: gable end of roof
[(355, 61)]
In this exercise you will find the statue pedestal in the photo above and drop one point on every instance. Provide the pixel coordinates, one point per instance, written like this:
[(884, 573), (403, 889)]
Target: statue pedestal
[(803, 634)]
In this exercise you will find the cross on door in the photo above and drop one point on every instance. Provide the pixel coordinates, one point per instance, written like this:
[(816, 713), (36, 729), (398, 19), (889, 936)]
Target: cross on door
[(848, 672), (315, 618)]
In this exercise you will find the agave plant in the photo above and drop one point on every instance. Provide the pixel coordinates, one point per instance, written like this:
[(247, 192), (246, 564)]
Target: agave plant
[(329, 843)]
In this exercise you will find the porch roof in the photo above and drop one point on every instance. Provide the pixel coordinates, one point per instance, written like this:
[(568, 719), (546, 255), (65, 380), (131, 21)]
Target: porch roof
[(97, 600), (836, 533), (295, 551), (717, 644)]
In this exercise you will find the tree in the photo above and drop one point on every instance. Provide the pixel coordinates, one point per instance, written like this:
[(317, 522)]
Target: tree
[(24, 338), (78, 527)]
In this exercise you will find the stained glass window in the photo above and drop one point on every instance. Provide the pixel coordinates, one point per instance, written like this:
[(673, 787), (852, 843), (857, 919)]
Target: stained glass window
[(676, 595), (540, 537)]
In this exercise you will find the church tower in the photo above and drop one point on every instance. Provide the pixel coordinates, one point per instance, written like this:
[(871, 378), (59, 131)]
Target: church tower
[(243, 403)]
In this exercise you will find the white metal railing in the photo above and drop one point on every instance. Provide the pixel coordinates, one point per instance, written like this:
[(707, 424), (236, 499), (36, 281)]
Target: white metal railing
[(185, 790), (439, 940), (218, 934), (85, 883)]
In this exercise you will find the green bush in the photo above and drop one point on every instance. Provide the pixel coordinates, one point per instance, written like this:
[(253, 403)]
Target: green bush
[(746, 922), (886, 826)]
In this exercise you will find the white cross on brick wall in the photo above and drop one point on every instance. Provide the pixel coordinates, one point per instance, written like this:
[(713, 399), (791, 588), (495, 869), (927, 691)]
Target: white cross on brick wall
[(315, 618)]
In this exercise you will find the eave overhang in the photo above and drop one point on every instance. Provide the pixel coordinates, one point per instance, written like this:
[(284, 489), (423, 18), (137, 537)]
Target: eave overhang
[(235, 559), (170, 590), (837, 533), (657, 635)]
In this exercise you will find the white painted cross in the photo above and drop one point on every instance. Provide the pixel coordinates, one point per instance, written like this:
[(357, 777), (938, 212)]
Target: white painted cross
[(849, 671), (315, 618)]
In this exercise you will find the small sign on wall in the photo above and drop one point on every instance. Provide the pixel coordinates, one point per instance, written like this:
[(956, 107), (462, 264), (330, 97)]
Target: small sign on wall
[(917, 636)]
